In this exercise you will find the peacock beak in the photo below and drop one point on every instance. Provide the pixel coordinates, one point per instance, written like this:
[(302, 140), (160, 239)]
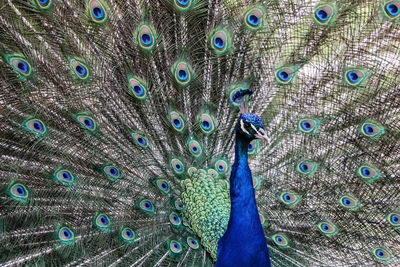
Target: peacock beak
[(261, 135)]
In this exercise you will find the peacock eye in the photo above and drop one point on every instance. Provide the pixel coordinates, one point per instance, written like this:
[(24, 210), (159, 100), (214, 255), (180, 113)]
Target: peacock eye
[(323, 14), (139, 139), (182, 72), (102, 221), (163, 185), (86, 121), (64, 176), (65, 235), (20, 65), (253, 18), (382, 254), (183, 4), (174, 219), (79, 69), (35, 126), (394, 219), (289, 198), (43, 4), (127, 234), (18, 192), (145, 37), (280, 240), (112, 172), (195, 147), (178, 205), (97, 11), (175, 247), (349, 202), (147, 206), (327, 228), (177, 166), (220, 41), (392, 9), (193, 243)]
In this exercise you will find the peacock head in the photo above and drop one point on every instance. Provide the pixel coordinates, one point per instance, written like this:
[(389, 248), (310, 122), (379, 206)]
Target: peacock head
[(250, 126)]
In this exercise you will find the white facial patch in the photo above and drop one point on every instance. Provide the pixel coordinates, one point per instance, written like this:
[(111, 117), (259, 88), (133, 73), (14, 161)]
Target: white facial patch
[(242, 127)]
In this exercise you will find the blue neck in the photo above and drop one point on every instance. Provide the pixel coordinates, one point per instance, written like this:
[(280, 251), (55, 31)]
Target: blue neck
[(243, 243), (243, 200)]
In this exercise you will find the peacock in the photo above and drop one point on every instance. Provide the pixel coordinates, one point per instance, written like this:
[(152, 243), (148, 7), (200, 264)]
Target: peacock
[(199, 133)]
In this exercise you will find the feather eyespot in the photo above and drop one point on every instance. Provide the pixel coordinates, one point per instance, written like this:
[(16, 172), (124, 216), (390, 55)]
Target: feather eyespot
[(64, 176), (175, 247), (97, 11), (233, 95), (174, 219), (192, 242), (392, 9), (324, 14), (284, 75), (65, 235), (280, 240), (147, 206), (163, 185), (221, 166), (306, 167), (183, 4), (308, 125), (207, 124), (18, 192), (256, 182), (178, 204), (327, 228), (139, 139), (355, 76), (145, 37), (79, 69), (213, 173), (191, 171), (20, 65), (394, 219), (368, 173), (263, 220), (289, 198), (86, 122), (253, 146), (102, 221), (177, 166), (194, 147), (112, 172), (35, 126), (349, 202), (43, 4), (220, 41), (185, 221), (137, 87), (127, 235), (372, 129), (382, 254), (253, 18), (182, 72), (177, 121)]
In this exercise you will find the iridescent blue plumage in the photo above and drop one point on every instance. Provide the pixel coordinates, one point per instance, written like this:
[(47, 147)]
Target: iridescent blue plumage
[(243, 243)]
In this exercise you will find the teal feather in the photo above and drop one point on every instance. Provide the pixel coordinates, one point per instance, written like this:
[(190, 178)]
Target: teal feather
[(96, 115)]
